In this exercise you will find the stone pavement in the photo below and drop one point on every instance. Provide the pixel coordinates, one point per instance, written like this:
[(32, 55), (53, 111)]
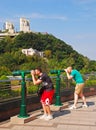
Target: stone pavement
[(79, 119)]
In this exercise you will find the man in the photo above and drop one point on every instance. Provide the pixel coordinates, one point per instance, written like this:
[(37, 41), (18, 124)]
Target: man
[(79, 86), (47, 95)]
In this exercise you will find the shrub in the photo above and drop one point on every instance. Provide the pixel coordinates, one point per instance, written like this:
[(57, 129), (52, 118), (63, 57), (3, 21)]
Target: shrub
[(5, 83)]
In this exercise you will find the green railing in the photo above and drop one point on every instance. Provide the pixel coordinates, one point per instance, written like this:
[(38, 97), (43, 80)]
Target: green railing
[(11, 88)]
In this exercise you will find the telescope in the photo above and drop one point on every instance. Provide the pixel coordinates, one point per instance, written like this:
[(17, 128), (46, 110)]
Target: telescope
[(21, 72), (56, 71), (57, 93)]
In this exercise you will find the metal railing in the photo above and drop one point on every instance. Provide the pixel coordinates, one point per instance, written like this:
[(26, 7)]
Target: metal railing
[(11, 88)]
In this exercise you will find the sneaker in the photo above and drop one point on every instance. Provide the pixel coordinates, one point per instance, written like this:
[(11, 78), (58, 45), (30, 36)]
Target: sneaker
[(49, 117), (43, 116), (85, 105), (72, 107)]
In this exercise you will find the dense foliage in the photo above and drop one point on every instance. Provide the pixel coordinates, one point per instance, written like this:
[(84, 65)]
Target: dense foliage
[(57, 54)]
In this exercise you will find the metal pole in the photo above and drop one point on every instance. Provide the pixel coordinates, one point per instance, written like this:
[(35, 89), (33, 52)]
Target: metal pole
[(58, 98), (58, 79), (23, 113)]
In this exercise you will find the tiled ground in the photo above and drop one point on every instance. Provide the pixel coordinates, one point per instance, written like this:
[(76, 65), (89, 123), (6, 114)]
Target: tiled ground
[(79, 119)]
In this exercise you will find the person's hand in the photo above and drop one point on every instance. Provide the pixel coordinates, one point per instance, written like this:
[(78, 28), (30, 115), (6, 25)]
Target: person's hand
[(65, 70), (32, 72)]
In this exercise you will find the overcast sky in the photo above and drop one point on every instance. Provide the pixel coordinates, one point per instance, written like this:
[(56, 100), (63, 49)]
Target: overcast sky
[(73, 21)]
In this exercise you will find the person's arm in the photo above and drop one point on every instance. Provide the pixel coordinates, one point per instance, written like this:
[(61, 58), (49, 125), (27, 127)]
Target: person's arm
[(35, 81), (68, 75)]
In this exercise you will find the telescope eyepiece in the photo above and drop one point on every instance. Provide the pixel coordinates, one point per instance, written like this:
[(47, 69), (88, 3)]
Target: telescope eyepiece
[(56, 71)]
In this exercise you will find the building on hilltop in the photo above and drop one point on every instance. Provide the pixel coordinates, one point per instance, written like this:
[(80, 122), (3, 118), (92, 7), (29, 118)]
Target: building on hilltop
[(24, 25), (9, 27), (10, 31)]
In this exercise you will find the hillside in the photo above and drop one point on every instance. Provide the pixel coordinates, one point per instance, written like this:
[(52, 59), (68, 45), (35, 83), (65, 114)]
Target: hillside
[(58, 54)]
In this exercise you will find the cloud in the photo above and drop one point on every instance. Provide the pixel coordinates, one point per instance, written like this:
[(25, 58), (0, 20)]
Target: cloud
[(42, 16), (15, 19)]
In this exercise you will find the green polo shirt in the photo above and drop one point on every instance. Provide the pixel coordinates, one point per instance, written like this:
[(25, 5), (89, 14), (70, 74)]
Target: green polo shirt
[(77, 76)]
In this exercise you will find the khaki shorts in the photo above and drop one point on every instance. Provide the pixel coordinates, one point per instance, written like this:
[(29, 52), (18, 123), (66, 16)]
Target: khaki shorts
[(79, 88)]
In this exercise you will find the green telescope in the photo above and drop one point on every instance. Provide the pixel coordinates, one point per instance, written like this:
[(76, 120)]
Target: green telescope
[(22, 73), (57, 93), (56, 71)]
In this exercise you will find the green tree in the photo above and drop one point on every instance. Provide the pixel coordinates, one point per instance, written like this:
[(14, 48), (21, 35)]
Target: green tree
[(48, 54)]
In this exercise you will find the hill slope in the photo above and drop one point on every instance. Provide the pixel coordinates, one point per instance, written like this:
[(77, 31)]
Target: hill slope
[(58, 54)]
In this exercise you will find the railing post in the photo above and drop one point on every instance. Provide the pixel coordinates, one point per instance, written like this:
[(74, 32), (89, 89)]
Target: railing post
[(58, 79)]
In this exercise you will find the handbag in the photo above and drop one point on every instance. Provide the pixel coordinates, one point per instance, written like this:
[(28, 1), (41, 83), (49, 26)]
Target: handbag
[(40, 91)]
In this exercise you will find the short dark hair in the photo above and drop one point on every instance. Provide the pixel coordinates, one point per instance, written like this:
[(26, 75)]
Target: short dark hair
[(38, 68)]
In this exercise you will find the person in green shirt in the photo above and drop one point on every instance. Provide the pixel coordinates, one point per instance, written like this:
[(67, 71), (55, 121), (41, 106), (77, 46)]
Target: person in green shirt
[(76, 75)]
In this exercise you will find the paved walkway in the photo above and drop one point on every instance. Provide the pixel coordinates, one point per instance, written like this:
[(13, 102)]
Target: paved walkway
[(79, 119)]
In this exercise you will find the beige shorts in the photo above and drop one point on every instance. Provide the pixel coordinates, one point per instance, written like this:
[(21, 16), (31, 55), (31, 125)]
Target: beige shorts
[(79, 88)]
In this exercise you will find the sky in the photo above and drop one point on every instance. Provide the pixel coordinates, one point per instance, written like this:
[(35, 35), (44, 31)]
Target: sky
[(73, 21)]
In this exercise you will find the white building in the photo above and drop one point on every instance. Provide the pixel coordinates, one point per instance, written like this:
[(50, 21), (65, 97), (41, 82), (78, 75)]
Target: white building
[(31, 52), (10, 27), (24, 25)]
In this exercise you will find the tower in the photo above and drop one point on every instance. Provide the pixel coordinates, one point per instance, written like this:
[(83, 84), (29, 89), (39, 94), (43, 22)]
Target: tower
[(24, 25), (10, 27)]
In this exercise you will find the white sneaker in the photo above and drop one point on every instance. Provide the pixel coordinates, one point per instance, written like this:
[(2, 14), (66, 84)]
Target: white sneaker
[(85, 105), (72, 107), (49, 117), (43, 116)]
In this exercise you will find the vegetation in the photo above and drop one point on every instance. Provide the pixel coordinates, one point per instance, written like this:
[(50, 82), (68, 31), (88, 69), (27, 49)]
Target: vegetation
[(5, 88), (57, 54)]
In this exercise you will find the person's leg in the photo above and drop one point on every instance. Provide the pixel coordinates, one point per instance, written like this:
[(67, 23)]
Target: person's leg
[(47, 107), (44, 108), (45, 112), (82, 95), (46, 100), (83, 98), (42, 100), (74, 106), (49, 115), (75, 99)]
